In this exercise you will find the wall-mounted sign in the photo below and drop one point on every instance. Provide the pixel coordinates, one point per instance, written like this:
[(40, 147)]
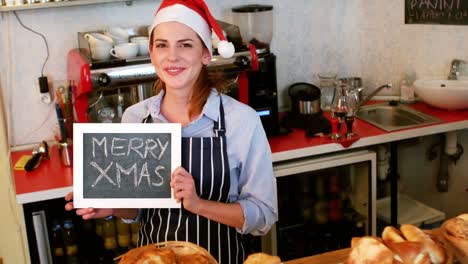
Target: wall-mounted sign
[(447, 12), (125, 165)]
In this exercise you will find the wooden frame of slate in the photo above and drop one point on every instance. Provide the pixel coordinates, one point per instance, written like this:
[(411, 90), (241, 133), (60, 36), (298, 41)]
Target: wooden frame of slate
[(125, 165)]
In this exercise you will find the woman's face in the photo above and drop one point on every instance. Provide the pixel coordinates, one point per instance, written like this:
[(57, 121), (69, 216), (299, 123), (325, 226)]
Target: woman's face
[(178, 55)]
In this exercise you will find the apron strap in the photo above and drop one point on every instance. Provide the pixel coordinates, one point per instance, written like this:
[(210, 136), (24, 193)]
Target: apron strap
[(219, 126)]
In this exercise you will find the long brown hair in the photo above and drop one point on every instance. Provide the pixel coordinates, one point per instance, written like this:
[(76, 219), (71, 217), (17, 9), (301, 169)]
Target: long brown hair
[(201, 89)]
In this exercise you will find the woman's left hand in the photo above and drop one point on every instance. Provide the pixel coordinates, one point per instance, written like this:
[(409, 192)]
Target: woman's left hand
[(184, 189)]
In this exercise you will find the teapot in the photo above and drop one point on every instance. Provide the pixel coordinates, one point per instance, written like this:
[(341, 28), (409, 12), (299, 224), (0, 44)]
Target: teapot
[(98, 39)]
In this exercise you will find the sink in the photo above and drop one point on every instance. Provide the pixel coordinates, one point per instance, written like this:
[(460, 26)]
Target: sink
[(391, 118), (444, 94)]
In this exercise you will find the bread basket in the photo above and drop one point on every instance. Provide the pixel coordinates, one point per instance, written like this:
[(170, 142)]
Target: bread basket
[(181, 248)]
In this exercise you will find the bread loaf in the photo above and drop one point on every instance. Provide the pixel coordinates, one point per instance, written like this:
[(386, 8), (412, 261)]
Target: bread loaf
[(392, 235), (169, 252), (371, 250), (262, 258), (409, 245), (455, 233), (410, 252), (149, 255), (413, 233)]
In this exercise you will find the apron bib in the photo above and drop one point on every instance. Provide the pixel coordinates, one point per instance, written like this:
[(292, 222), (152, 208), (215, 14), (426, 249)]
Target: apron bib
[(205, 158)]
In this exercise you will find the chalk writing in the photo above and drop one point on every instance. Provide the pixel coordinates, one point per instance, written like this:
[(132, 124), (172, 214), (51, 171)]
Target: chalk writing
[(121, 165), (435, 4), (449, 12)]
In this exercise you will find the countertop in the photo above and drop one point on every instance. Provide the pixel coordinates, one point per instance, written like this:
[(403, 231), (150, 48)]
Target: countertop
[(332, 257), (53, 180), (297, 145)]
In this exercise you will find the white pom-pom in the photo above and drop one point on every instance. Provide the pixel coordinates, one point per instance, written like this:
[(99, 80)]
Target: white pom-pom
[(225, 49)]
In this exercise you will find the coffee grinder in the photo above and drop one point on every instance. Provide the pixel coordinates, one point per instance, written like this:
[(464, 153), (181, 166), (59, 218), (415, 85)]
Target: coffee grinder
[(255, 25)]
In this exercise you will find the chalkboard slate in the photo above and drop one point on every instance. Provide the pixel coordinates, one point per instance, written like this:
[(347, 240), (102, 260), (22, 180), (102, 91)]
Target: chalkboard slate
[(125, 165), (447, 12), (133, 165)]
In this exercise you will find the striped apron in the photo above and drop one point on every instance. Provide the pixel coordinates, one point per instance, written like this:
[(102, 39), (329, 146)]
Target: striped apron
[(207, 161)]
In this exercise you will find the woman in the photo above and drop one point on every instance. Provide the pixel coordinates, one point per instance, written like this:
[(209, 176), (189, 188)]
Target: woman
[(226, 182)]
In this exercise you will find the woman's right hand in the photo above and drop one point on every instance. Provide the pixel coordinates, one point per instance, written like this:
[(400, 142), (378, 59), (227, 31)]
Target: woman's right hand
[(87, 213)]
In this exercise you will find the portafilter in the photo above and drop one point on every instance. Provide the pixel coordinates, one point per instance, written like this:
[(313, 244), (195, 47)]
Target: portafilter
[(41, 151)]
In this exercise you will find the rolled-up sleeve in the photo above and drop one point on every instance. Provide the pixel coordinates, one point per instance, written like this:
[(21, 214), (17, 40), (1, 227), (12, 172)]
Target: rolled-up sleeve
[(257, 185)]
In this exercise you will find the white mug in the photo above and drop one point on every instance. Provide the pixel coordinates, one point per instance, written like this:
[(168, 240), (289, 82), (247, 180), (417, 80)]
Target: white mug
[(143, 45), (101, 52), (125, 50)]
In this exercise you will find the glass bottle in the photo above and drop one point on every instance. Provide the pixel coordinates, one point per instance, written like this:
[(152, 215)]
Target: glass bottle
[(353, 107), (321, 205), (135, 227), (110, 239), (58, 251), (98, 227), (71, 246), (108, 232), (123, 235), (335, 209)]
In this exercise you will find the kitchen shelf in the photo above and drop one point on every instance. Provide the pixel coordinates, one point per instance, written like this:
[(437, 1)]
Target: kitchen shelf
[(61, 4)]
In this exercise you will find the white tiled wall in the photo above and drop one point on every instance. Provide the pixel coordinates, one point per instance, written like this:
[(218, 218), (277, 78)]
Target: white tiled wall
[(350, 37)]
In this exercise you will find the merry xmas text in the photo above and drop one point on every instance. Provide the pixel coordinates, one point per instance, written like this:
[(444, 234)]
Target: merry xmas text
[(142, 148)]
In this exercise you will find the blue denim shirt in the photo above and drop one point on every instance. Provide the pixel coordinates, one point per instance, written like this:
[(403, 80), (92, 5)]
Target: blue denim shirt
[(253, 184)]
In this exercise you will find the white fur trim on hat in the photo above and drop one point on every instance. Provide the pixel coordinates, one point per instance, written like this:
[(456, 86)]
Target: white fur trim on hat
[(182, 14), (225, 49)]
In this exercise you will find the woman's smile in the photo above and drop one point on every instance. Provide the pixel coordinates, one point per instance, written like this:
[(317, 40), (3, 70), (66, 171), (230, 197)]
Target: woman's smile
[(174, 71)]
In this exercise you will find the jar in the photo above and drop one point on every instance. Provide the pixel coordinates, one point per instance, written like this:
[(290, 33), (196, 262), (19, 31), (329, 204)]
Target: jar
[(327, 90)]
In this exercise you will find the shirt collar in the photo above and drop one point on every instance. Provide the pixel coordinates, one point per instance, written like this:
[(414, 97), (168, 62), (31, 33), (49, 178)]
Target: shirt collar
[(210, 109)]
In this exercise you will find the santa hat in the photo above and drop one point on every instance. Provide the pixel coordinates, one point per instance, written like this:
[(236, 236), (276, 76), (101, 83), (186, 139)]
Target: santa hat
[(196, 15)]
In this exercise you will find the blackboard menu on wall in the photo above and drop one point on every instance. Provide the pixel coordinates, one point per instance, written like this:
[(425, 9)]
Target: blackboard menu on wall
[(446, 12), (125, 165)]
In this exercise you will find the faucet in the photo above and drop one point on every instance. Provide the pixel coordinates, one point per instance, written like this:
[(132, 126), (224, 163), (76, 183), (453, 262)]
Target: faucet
[(455, 69), (365, 100)]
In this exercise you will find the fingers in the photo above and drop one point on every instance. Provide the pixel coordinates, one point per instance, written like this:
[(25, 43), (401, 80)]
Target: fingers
[(180, 176), (69, 206), (86, 213), (69, 196)]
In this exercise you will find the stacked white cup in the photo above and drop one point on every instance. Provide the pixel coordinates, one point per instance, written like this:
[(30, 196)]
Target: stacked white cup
[(143, 43), (118, 34)]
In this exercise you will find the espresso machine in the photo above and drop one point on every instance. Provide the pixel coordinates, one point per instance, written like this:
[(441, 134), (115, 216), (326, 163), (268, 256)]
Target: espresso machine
[(105, 88)]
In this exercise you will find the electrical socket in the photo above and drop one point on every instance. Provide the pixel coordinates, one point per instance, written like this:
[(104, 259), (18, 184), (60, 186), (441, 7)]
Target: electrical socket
[(44, 97), (43, 85)]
